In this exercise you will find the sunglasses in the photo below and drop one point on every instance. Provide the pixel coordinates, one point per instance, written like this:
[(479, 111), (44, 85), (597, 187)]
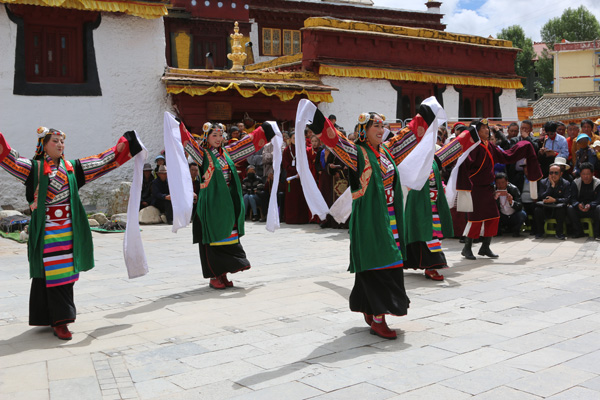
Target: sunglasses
[(554, 172)]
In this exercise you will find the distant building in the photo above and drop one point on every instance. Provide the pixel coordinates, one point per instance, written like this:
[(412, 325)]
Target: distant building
[(577, 67), (90, 68)]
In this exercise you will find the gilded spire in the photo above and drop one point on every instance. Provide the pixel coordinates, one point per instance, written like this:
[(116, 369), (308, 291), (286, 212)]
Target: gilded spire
[(238, 56)]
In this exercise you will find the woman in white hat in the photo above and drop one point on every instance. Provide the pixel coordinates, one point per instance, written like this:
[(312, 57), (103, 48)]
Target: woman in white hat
[(60, 241)]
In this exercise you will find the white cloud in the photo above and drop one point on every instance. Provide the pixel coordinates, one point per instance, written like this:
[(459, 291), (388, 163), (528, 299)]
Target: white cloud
[(493, 15)]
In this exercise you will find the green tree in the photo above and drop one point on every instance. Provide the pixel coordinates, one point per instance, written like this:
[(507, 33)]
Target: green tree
[(523, 63), (574, 25), (544, 68)]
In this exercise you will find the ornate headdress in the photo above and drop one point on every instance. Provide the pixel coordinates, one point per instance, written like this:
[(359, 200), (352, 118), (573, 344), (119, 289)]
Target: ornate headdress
[(207, 129), (363, 120), (42, 132)]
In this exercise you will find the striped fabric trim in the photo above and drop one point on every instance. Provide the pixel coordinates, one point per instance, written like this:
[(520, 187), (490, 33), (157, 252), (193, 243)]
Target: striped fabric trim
[(98, 165), (242, 149), (434, 246), (401, 145), (18, 167), (449, 153), (393, 224), (397, 264), (346, 151), (58, 254), (232, 239)]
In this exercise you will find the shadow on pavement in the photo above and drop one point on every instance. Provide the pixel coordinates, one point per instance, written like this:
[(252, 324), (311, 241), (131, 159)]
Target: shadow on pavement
[(318, 358), (342, 291), (190, 295), (42, 338)]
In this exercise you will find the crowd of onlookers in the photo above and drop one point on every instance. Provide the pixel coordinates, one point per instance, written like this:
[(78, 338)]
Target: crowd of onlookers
[(568, 195)]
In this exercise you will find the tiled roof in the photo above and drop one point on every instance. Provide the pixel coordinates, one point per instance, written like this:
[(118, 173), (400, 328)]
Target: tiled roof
[(560, 103)]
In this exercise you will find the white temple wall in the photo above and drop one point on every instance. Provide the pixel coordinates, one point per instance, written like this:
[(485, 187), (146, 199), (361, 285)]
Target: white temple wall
[(130, 55), (358, 95)]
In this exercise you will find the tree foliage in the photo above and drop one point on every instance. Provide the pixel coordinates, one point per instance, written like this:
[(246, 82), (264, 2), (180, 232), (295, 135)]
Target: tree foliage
[(574, 25), (544, 67), (523, 63)]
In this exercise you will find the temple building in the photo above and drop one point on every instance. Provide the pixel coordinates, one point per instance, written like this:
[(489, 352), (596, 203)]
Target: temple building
[(346, 56)]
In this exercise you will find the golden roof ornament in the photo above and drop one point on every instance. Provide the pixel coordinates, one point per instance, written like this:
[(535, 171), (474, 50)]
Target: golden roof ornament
[(238, 56)]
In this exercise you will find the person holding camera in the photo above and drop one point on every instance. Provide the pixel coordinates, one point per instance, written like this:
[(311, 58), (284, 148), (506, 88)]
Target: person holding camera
[(508, 200)]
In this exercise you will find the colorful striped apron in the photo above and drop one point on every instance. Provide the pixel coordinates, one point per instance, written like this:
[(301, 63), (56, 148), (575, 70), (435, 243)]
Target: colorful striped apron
[(435, 245), (58, 246)]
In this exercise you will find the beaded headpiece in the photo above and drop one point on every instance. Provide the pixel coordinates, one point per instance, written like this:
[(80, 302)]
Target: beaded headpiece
[(42, 132), (207, 129), (363, 120)]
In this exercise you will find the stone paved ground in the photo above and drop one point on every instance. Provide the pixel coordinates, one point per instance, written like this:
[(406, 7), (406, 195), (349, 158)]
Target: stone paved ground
[(525, 326)]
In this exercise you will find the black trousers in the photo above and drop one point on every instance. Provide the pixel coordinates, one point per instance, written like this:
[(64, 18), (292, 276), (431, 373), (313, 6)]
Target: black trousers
[(543, 213), (166, 207), (51, 305), (575, 214)]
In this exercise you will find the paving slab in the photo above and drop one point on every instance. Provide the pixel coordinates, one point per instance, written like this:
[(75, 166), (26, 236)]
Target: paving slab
[(524, 326)]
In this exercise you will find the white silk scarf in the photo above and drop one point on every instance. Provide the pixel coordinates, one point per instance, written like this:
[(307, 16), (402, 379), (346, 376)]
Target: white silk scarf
[(312, 194), (133, 248), (273, 213), (178, 172)]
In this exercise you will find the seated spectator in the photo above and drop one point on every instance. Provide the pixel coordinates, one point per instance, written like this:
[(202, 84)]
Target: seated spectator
[(234, 135), (147, 179), (161, 198), (509, 204), (585, 154), (564, 167), (554, 192), (250, 187), (159, 160), (585, 197)]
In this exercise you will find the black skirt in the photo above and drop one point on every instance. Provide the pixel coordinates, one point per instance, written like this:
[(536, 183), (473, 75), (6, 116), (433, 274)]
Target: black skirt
[(51, 305), (420, 257), (219, 260), (379, 292)]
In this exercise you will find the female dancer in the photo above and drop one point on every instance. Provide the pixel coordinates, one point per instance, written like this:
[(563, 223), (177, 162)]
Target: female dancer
[(60, 240), (377, 222), (219, 217)]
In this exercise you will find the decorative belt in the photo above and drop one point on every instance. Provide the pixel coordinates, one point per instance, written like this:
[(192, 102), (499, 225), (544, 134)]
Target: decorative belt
[(58, 213), (389, 196), (433, 194)]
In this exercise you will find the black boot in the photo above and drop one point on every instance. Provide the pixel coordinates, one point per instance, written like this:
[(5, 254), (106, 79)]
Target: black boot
[(466, 251), (485, 248)]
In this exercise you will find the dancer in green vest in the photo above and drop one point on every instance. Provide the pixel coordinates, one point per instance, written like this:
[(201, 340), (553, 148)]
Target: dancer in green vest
[(60, 240), (378, 234), (219, 216)]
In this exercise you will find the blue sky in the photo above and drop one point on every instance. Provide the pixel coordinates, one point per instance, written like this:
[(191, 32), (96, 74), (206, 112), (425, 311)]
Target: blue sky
[(488, 17)]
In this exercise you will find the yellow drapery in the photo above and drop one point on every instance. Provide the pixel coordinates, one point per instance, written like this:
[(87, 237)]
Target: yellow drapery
[(402, 75), (283, 94), (141, 9)]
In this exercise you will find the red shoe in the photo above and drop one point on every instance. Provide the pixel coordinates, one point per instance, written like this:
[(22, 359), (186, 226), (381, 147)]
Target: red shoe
[(382, 330), (226, 281), (62, 332), (216, 283), (433, 274), (368, 319)]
